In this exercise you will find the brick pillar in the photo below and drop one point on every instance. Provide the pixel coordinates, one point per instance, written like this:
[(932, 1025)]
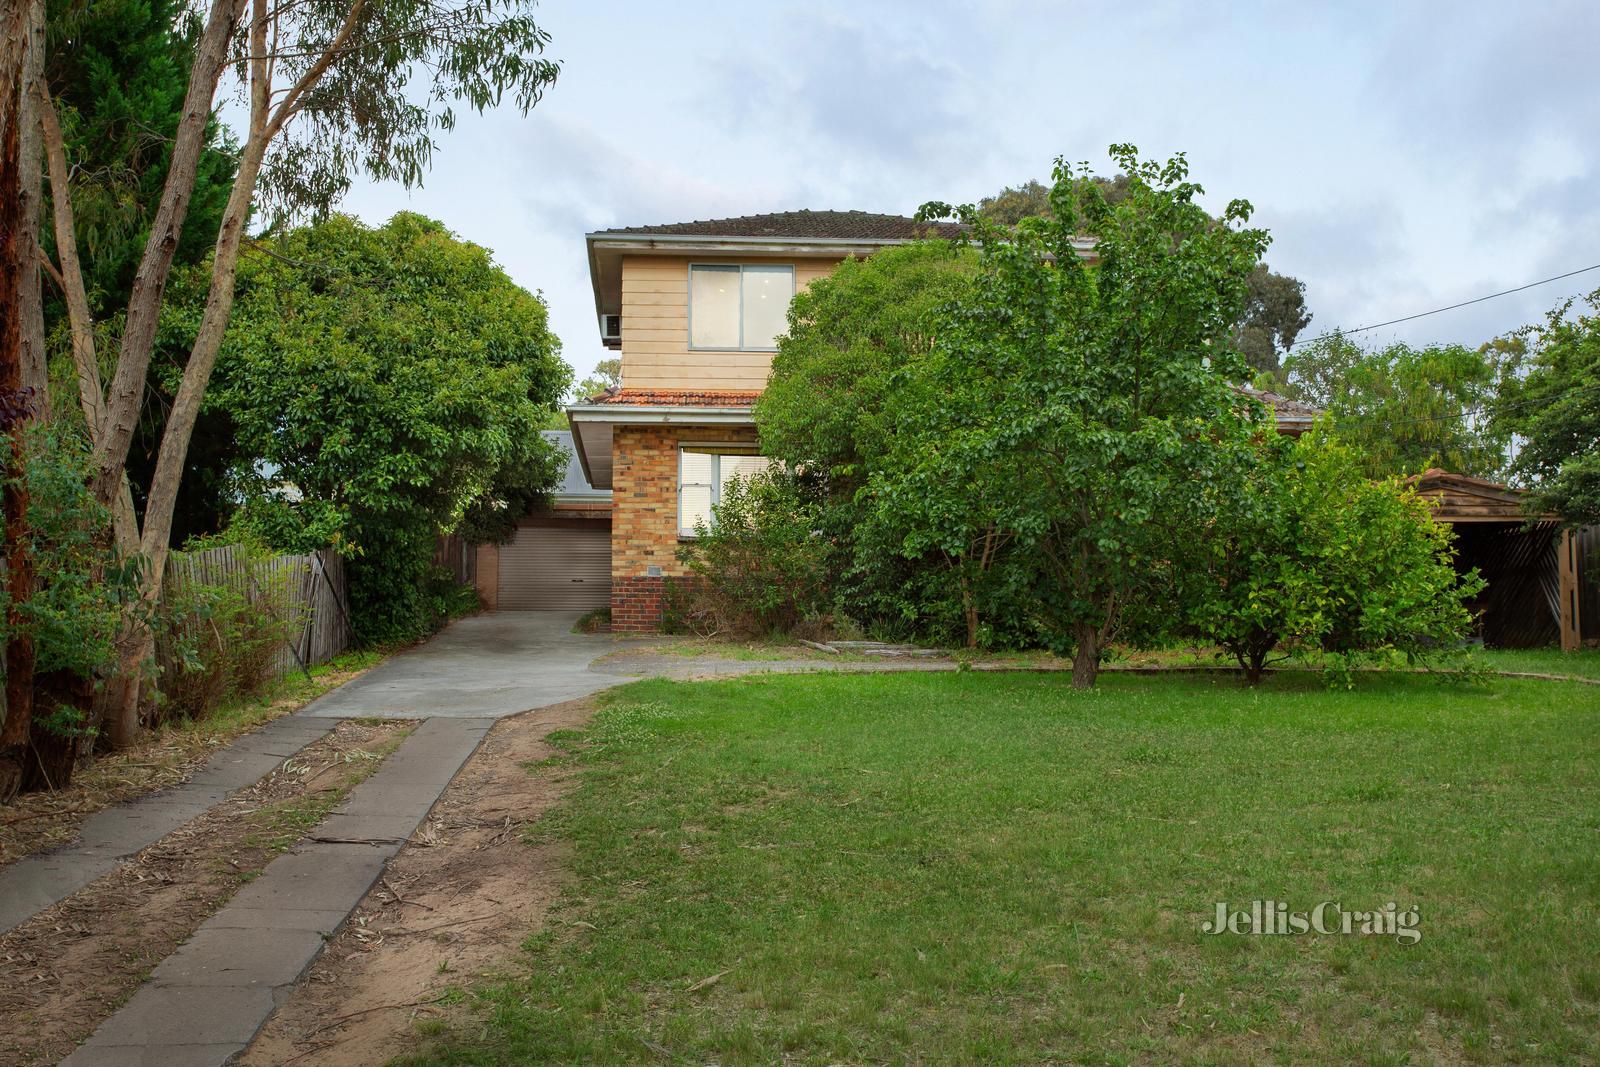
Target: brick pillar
[(636, 604)]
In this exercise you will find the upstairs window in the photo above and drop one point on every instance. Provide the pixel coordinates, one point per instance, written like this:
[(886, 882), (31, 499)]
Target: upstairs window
[(702, 472), (742, 308)]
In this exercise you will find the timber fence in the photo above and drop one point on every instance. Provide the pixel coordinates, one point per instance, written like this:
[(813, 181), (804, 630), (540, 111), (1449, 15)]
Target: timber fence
[(306, 597)]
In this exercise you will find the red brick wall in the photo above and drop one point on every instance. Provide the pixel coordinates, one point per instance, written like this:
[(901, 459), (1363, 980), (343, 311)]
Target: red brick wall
[(644, 517)]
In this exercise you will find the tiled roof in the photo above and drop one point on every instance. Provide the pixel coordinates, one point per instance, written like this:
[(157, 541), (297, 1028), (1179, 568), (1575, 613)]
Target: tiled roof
[(816, 225), (1282, 406), (679, 398)]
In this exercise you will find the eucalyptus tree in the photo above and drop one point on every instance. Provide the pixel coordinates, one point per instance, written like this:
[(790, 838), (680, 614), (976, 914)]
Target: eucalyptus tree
[(329, 90)]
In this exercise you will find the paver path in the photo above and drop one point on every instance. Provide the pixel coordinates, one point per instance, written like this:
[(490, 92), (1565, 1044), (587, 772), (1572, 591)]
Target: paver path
[(206, 1001), (33, 883)]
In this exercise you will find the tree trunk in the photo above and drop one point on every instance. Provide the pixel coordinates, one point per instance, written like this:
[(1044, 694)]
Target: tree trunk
[(969, 610), (91, 394), (150, 281), (138, 645), (1086, 657), (35, 364), (18, 398)]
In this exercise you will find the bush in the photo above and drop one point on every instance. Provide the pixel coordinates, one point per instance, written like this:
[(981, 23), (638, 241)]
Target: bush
[(79, 594), (1312, 556), (220, 630), (763, 568)]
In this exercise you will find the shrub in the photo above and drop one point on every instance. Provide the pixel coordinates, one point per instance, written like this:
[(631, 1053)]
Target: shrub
[(762, 568), (72, 615), (1313, 556), (221, 628)]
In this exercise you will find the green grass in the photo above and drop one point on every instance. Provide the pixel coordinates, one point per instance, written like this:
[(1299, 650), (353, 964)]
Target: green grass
[(1583, 664), (995, 868)]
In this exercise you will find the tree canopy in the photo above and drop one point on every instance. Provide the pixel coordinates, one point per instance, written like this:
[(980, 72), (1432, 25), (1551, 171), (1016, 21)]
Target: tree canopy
[(1407, 409), (1556, 411), (385, 385), (1275, 308)]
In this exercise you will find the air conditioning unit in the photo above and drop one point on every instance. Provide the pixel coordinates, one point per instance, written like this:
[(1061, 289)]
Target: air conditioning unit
[(611, 327)]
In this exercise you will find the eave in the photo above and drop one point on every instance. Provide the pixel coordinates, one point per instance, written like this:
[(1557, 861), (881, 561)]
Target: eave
[(592, 426)]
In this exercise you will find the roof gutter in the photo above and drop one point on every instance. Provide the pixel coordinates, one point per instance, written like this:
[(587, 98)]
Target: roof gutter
[(635, 414)]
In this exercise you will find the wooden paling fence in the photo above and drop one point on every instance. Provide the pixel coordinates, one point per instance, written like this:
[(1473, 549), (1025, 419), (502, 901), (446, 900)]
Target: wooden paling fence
[(307, 596)]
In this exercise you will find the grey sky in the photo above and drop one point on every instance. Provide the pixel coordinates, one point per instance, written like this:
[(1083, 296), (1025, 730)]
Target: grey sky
[(1404, 156)]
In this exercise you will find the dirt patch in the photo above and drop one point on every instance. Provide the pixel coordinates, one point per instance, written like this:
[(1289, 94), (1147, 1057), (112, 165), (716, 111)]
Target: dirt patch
[(453, 905), (38, 822), (68, 968)]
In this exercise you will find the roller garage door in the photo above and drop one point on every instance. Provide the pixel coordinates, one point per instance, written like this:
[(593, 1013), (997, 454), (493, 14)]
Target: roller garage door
[(564, 567)]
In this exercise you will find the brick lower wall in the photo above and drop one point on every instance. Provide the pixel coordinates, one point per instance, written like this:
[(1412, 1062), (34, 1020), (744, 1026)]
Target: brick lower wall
[(644, 516), (636, 604)]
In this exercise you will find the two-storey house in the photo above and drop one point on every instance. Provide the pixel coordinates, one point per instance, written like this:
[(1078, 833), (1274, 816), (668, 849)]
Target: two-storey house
[(695, 309)]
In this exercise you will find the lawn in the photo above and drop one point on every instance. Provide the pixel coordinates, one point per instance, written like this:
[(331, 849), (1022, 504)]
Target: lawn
[(995, 868)]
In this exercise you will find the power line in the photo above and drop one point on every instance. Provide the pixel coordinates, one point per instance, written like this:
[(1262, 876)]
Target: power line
[(1452, 307)]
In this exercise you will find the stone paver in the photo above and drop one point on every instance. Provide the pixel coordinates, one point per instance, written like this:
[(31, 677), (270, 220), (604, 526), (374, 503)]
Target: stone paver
[(204, 1003), (34, 883)]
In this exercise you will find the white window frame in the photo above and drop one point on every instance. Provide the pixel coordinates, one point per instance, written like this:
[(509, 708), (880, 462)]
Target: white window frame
[(716, 450), (771, 268)]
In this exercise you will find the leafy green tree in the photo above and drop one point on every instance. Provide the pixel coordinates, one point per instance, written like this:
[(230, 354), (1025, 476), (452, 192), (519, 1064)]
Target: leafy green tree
[(71, 616), (830, 404), (1078, 412), (1556, 410), (1408, 409), (330, 88), (386, 385), (1306, 553), (1274, 313), (830, 410), (118, 71)]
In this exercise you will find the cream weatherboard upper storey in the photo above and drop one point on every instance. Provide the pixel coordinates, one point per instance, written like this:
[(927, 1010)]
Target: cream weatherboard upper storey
[(656, 348)]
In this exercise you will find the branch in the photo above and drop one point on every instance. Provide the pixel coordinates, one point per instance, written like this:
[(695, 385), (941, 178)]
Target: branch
[(296, 97), (91, 394)]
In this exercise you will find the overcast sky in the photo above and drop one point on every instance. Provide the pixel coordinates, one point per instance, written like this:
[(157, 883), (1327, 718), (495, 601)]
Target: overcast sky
[(1403, 156)]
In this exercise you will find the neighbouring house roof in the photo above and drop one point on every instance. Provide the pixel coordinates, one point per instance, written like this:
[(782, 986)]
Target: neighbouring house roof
[(574, 485), (803, 225), (1293, 417), (691, 398), (1463, 498)]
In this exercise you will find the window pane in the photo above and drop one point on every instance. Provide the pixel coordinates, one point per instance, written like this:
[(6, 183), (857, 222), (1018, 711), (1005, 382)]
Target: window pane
[(714, 307), (742, 467), (767, 292), (696, 469), (694, 505)]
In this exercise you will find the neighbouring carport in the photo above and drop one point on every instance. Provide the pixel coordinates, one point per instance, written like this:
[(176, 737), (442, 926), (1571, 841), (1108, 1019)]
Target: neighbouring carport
[(1535, 570)]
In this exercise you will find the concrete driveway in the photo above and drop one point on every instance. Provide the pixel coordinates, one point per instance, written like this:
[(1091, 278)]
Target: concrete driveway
[(488, 665)]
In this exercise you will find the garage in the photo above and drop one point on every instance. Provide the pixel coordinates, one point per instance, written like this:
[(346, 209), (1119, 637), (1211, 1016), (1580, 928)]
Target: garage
[(556, 565)]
